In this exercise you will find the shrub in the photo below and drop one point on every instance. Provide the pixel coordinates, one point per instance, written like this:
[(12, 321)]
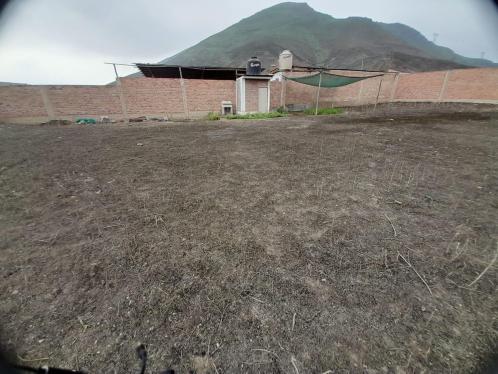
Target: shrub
[(324, 111), (213, 116), (256, 115)]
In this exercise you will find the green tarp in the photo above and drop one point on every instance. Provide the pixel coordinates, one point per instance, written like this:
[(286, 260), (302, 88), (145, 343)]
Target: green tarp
[(328, 80)]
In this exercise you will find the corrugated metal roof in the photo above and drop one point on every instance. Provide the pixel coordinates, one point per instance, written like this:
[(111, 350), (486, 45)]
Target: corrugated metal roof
[(190, 72)]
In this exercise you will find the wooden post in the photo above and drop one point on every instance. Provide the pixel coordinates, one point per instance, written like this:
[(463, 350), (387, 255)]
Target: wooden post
[(184, 94), (318, 93)]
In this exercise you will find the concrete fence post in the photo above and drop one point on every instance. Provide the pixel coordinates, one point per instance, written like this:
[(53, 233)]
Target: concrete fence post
[(47, 104), (378, 92), (122, 100), (444, 85), (283, 87), (184, 94), (395, 87), (360, 91)]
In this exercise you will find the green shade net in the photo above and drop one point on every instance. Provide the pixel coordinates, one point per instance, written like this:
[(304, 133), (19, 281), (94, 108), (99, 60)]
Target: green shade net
[(328, 80)]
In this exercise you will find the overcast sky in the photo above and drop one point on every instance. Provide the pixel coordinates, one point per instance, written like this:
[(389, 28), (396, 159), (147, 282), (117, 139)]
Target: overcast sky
[(68, 41)]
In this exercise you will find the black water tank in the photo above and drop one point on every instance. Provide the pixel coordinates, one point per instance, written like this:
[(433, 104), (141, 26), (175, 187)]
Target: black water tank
[(253, 66)]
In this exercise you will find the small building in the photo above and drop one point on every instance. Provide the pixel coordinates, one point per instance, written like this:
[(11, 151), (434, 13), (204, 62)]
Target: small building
[(250, 93), (253, 89), (253, 94)]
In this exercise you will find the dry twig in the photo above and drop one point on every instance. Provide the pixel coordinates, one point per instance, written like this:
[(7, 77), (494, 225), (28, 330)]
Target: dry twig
[(267, 351), (391, 222), (215, 368), (293, 362), (32, 359), (258, 300), (416, 272), (83, 324), (487, 267)]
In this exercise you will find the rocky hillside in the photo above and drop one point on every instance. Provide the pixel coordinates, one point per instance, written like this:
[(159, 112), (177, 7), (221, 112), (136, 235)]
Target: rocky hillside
[(320, 39)]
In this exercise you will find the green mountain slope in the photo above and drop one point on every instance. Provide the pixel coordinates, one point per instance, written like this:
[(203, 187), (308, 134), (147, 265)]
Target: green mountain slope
[(319, 39), (417, 40)]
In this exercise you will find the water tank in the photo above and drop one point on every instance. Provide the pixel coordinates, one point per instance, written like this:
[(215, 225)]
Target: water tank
[(285, 60), (253, 66)]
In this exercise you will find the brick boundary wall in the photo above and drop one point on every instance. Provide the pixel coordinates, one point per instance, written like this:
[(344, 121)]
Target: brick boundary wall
[(462, 85), (127, 98), (133, 97)]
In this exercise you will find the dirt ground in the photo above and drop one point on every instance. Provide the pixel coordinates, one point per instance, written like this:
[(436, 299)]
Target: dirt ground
[(295, 245)]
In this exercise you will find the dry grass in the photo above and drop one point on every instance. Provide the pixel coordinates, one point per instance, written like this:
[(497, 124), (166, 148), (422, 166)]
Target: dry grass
[(241, 248)]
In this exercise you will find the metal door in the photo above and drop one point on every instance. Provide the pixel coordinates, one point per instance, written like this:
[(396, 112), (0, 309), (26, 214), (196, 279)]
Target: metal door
[(263, 99)]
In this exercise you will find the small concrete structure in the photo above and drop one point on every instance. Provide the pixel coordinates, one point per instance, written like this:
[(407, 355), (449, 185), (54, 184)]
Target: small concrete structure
[(253, 94), (226, 107)]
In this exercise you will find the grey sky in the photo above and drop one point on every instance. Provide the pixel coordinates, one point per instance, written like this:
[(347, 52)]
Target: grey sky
[(67, 41)]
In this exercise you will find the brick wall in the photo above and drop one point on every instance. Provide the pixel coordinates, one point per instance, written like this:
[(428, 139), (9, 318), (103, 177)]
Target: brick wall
[(473, 85), (21, 101), (163, 97), (84, 100), (130, 97), (205, 96), (425, 86), (152, 96), (354, 94), (363, 92), (149, 96)]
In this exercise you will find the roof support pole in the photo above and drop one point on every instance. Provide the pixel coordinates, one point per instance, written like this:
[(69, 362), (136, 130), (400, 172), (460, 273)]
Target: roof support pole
[(115, 71), (318, 93), (184, 94)]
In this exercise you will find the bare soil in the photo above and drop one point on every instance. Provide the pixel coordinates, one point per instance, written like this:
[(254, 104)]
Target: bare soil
[(294, 245)]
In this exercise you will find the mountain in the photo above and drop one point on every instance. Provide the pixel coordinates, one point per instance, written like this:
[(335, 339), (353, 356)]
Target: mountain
[(321, 40), (12, 84)]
